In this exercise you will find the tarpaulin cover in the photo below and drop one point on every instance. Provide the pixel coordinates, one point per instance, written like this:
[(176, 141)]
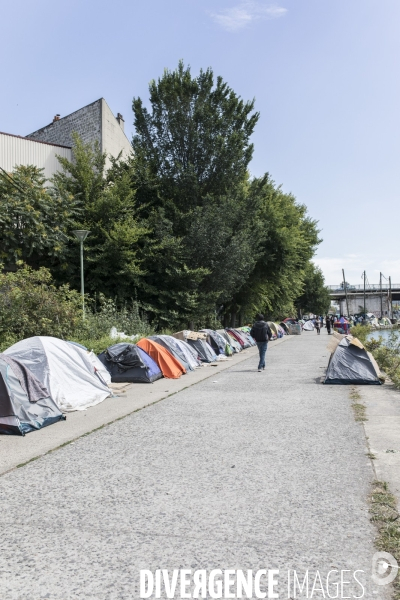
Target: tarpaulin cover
[(351, 364), (18, 415), (170, 367), (308, 326), (64, 369), (129, 363)]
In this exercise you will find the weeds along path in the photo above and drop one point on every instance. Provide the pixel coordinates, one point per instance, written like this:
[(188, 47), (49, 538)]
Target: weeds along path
[(244, 470)]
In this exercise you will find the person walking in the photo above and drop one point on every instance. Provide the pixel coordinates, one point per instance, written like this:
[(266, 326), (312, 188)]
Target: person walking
[(328, 324), (262, 333), (317, 325)]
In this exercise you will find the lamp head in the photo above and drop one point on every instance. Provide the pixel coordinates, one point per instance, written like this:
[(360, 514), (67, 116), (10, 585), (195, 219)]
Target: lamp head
[(81, 234)]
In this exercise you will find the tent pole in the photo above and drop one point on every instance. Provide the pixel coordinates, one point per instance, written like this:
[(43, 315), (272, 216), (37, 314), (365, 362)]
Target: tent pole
[(345, 291)]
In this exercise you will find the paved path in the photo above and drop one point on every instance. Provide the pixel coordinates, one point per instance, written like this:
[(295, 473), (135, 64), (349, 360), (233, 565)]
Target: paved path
[(15, 450), (245, 471)]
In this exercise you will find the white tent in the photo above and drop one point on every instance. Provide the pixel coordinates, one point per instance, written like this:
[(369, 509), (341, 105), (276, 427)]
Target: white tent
[(66, 370), (308, 326)]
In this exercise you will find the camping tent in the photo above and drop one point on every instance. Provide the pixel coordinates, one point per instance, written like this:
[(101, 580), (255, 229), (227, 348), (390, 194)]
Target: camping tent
[(129, 363), (285, 327), (217, 342), (273, 329), (25, 405), (204, 350), (183, 355), (236, 347), (246, 332), (352, 364), (170, 367), (240, 336), (64, 369), (308, 326), (190, 349)]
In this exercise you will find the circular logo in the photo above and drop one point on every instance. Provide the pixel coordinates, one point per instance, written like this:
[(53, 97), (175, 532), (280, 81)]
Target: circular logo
[(384, 568)]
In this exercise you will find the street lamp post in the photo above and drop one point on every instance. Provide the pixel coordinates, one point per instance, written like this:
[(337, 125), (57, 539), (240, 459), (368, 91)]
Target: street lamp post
[(82, 234)]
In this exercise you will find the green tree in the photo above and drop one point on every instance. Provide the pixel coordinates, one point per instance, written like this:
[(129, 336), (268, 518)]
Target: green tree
[(108, 210), (34, 219), (315, 297), (195, 139), (287, 238), (192, 150)]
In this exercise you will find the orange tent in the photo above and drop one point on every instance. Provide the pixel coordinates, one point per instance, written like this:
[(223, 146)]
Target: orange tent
[(169, 365)]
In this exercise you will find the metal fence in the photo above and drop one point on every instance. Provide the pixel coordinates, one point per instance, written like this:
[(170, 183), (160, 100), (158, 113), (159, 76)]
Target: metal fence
[(368, 288)]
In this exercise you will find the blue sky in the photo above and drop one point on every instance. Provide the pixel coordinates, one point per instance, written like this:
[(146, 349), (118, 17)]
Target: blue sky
[(325, 76)]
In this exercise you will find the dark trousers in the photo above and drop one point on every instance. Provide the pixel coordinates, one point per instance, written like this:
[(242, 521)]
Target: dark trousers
[(262, 348)]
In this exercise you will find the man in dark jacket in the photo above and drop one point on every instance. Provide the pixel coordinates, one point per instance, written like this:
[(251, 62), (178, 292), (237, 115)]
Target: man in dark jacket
[(262, 333)]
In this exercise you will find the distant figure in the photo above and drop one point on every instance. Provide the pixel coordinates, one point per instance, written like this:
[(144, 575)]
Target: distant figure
[(322, 320), (343, 323), (328, 324), (333, 321), (262, 333), (317, 325)]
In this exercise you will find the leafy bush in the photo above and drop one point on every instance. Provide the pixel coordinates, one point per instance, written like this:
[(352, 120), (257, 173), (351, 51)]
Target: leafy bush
[(387, 355), (106, 315), (361, 332), (30, 304)]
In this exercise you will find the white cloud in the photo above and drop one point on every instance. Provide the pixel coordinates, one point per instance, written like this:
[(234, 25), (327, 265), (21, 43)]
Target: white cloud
[(245, 13)]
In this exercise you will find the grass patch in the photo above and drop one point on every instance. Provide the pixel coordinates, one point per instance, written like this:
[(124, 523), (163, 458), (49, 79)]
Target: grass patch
[(386, 517), (359, 409), (27, 462)]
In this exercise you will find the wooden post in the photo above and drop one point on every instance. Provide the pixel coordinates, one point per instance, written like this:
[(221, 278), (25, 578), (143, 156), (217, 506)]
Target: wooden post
[(365, 313), (345, 291)]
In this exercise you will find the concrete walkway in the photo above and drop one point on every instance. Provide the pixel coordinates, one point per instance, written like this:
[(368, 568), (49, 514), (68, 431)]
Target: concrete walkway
[(128, 398), (244, 470)]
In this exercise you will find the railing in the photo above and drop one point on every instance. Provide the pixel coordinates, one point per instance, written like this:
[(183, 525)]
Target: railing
[(368, 288)]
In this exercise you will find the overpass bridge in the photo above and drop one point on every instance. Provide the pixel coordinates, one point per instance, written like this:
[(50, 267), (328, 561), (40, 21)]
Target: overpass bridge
[(337, 291), (378, 298)]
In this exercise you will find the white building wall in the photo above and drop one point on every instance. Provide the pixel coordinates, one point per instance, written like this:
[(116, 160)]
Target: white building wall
[(113, 137), (372, 304), (15, 150)]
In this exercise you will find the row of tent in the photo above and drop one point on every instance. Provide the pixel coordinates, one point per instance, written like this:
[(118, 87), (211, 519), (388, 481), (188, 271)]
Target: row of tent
[(41, 378)]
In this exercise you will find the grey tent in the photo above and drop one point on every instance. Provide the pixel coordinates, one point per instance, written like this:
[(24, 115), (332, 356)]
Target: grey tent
[(170, 343), (25, 405), (352, 364), (204, 350), (234, 344)]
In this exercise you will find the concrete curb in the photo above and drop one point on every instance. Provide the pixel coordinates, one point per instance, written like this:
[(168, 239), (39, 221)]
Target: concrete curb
[(16, 451)]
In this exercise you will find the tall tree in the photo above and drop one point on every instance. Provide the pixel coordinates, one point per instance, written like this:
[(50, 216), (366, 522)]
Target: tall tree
[(34, 219), (315, 297), (196, 138), (287, 240), (192, 150), (108, 210)]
